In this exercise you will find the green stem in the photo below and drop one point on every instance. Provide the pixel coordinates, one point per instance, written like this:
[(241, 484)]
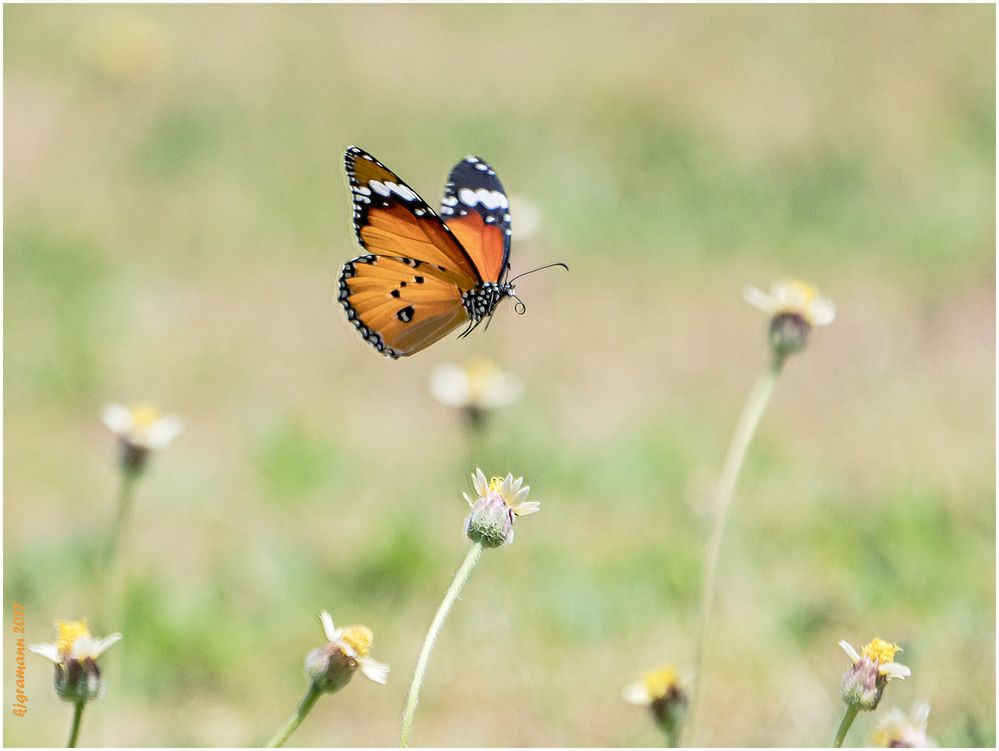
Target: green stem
[(844, 726), (282, 735), (428, 642), (741, 438), (74, 731), (673, 736), (123, 510)]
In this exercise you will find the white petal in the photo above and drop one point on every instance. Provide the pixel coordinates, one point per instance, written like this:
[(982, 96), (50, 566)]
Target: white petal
[(501, 390), (164, 430), (48, 651), (374, 670), (506, 488), (850, 652), (522, 494), (100, 646), (468, 500), (329, 630), (480, 484), (85, 646), (118, 418), (515, 485), (527, 508), (449, 385), (759, 299), (635, 693), (821, 312), (894, 670), (921, 715)]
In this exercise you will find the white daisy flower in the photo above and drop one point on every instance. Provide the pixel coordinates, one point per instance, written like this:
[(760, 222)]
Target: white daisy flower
[(865, 682), (900, 730), (75, 653), (499, 500), (333, 665)]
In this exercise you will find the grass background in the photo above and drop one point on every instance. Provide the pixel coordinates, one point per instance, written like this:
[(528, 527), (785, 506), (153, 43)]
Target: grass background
[(175, 220)]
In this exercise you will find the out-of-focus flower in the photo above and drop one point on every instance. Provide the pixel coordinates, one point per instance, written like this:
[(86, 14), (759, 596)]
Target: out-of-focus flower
[(526, 218), (475, 387), (865, 682), (75, 654), (665, 694), (794, 308), (899, 730), (490, 521), (124, 48), (140, 429), (331, 666)]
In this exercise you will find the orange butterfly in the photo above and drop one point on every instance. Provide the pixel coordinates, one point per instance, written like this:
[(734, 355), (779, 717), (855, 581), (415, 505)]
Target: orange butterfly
[(422, 278)]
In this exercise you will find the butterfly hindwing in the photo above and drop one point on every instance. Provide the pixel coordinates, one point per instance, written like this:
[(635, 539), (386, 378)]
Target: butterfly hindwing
[(400, 305), (476, 208)]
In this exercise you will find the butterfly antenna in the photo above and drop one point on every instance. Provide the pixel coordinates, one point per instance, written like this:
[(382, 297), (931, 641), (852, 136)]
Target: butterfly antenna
[(519, 307), (540, 268)]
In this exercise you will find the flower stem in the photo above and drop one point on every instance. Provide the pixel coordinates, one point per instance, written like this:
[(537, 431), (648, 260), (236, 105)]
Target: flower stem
[(428, 643), (123, 510), (282, 735), (844, 726), (74, 731), (741, 438)]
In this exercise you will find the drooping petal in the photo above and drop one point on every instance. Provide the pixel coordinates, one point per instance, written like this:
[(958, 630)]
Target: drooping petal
[(48, 651), (759, 299), (635, 693), (164, 430), (821, 312), (87, 646), (894, 670), (118, 418), (528, 507), (374, 670)]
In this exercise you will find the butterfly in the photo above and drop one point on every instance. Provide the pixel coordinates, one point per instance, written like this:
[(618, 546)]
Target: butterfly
[(423, 277)]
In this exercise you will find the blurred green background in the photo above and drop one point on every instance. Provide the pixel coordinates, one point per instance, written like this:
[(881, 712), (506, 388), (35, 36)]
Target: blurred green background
[(175, 220)]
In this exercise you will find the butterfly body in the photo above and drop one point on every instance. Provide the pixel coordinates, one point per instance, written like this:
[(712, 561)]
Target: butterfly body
[(423, 277)]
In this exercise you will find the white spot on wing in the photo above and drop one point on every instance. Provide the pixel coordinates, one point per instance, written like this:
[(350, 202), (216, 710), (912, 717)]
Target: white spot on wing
[(490, 199)]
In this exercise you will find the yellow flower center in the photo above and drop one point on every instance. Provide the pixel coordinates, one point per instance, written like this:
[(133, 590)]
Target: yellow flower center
[(660, 682), (880, 651), (144, 415), (358, 638), (494, 484), (800, 291), (480, 372), (67, 632)]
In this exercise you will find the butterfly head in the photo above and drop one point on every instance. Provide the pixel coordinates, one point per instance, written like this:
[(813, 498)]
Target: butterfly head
[(480, 302)]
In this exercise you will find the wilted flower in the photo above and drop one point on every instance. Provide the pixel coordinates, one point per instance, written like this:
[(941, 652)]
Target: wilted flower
[(499, 501), (665, 694), (140, 428), (794, 308), (332, 666), (864, 684), (75, 653), (899, 730), (477, 386)]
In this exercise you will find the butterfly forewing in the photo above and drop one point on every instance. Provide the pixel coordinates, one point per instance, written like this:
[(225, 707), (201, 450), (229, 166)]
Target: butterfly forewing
[(407, 293), (476, 209)]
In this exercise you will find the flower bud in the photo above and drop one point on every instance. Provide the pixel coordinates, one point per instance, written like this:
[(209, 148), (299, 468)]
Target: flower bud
[(863, 685), (788, 334), (78, 680), (329, 668), (490, 522)]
